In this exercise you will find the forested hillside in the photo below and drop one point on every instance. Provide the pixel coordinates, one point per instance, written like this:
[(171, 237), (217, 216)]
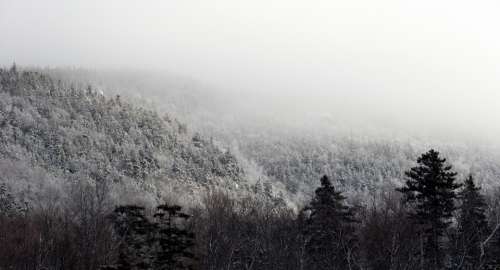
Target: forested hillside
[(291, 149), (361, 165), (80, 135)]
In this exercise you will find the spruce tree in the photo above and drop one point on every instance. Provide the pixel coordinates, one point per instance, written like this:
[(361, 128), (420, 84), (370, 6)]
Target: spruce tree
[(472, 226), (430, 192), (329, 232)]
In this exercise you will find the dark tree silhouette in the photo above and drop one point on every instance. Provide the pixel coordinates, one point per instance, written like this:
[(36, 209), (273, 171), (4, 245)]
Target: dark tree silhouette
[(329, 232), (472, 226), (430, 192), (174, 240)]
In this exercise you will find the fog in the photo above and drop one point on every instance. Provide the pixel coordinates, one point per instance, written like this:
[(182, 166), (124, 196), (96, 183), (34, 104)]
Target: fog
[(428, 67)]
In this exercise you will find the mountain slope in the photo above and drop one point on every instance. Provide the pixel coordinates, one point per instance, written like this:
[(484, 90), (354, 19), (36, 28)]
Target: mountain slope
[(68, 132)]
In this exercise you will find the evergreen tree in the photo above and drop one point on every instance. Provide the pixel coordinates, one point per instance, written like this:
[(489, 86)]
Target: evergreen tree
[(430, 191), (329, 232), (472, 226), (174, 241)]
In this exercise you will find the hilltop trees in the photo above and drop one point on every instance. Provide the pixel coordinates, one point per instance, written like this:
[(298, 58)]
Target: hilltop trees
[(430, 193)]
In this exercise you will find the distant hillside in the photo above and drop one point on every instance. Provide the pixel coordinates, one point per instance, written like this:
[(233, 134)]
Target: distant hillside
[(290, 152), (359, 165), (69, 133), (297, 149)]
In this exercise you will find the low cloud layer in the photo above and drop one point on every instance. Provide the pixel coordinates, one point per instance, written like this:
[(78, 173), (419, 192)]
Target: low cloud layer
[(425, 65)]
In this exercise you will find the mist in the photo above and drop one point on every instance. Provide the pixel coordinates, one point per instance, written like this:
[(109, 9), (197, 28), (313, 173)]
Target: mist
[(427, 68)]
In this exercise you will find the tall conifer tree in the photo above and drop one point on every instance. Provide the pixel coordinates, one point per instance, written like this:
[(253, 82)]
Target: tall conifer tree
[(430, 193), (329, 230)]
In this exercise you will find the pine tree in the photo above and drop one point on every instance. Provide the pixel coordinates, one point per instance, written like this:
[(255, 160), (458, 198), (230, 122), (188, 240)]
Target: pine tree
[(329, 232), (174, 241), (430, 192), (472, 225)]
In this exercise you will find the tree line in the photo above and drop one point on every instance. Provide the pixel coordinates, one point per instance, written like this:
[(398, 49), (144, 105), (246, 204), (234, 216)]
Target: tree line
[(433, 221)]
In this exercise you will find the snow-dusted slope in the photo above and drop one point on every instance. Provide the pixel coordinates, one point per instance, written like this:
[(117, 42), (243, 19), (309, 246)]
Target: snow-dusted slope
[(67, 134)]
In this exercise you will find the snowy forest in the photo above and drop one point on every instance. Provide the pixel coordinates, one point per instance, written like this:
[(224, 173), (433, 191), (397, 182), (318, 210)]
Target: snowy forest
[(93, 177), (249, 135)]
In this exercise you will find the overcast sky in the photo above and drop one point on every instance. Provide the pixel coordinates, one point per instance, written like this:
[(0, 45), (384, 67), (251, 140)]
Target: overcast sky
[(433, 63)]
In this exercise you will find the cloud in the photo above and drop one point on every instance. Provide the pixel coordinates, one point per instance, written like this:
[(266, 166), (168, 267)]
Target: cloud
[(428, 64)]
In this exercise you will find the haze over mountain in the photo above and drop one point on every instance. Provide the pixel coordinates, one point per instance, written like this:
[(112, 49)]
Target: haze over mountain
[(425, 69)]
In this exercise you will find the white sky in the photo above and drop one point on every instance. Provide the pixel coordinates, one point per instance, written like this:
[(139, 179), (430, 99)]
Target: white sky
[(399, 61)]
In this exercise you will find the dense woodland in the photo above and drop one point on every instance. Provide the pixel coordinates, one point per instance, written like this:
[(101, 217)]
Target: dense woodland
[(93, 182)]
